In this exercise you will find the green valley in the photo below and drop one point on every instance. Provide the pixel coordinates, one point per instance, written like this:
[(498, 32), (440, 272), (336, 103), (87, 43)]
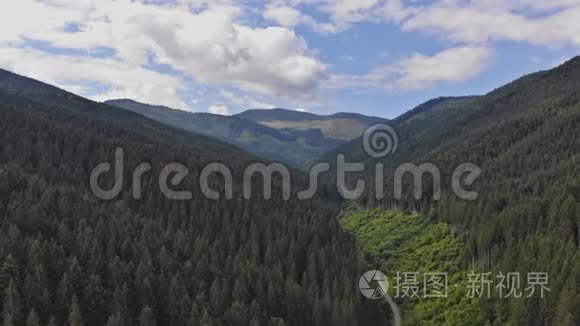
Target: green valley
[(399, 244)]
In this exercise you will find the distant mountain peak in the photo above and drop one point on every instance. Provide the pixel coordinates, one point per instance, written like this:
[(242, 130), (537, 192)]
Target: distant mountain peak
[(279, 134), (295, 115)]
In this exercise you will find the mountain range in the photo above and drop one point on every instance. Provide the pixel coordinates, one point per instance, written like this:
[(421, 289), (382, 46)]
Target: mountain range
[(292, 137), (69, 256), (525, 139)]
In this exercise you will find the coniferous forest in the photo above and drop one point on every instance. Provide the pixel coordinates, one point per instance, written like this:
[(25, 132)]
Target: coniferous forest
[(525, 138), (70, 258)]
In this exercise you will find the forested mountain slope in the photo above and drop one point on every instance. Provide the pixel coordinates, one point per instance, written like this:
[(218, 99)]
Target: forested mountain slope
[(292, 137), (68, 258), (291, 147), (339, 126), (525, 138), (57, 105)]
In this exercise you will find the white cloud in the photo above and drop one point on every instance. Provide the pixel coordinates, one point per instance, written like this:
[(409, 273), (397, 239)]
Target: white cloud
[(544, 23), (72, 73), (38, 16), (202, 40), (284, 15), (245, 100), (232, 98), (419, 71), (301, 110), (347, 11), (219, 109), (216, 43), (471, 26), (452, 65), (341, 14), (290, 17), (272, 60), (257, 104), (480, 22)]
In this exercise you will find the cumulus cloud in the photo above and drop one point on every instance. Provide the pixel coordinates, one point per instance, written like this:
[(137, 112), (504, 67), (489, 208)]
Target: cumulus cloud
[(257, 104), (118, 79), (340, 14), (470, 26), (557, 24), (452, 65), (232, 98), (200, 40), (284, 15), (219, 109), (290, 17), (419, 71), (343, 12), (120, 45), (544, 23), (245, 100), (272, 60)]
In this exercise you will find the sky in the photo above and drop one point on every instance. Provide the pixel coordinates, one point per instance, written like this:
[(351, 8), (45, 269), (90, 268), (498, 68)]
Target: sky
[(374, 57)]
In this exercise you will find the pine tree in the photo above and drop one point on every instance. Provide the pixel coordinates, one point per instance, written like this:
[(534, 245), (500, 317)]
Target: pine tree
[(194, 315), (115, 320), (52, 321), (11, 308), (8, 320), (8, 271), (75, 317), (147, 317), (32, 319)]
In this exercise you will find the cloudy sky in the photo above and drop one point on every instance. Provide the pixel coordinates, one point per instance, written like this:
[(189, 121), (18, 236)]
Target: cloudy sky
[(379, 57)]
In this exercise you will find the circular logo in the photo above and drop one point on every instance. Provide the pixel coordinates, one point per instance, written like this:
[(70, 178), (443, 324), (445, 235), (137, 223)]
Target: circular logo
[(373, 284), (380, 141)]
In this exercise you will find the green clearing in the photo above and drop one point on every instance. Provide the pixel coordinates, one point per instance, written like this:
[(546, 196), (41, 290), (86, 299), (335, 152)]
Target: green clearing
[(395, 242)]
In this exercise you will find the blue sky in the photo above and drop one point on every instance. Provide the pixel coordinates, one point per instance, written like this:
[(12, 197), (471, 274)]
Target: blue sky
[(376, 57)]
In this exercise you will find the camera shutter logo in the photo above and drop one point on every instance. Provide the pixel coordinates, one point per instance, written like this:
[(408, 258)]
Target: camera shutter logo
[(373, 284)]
